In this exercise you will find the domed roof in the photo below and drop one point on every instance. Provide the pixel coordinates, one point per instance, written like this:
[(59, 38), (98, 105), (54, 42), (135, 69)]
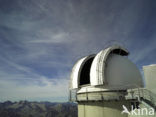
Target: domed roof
[(76, 71), (99, 64), (108, 69)]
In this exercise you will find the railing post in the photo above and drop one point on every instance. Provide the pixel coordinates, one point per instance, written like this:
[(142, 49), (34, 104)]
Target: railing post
[(151, 98), (70, 95), (86, 94), (142, 93), (139, 93)]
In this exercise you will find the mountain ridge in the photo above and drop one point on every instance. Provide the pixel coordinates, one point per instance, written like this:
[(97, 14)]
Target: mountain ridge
[(37, 109)]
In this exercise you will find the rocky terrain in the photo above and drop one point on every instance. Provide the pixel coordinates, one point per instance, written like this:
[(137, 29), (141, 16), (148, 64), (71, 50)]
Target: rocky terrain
[(37, 109)]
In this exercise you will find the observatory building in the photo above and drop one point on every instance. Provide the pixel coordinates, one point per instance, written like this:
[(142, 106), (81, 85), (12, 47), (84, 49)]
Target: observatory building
[(150, 77), (103, 84)]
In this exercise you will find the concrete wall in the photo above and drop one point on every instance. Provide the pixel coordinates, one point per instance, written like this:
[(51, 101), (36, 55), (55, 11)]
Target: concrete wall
[(144, 113), (102, 109), (150, 77), (109, 109)]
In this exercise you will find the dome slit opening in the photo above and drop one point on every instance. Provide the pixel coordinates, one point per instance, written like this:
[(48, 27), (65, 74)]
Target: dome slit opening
[(120, 52), (85, 72)]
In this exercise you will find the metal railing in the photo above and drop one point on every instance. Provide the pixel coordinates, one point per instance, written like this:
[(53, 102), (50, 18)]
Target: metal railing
[(73, 96), (141, 94)]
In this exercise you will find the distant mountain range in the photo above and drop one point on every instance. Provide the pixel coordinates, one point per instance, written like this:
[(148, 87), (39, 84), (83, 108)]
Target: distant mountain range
[(37, 109)]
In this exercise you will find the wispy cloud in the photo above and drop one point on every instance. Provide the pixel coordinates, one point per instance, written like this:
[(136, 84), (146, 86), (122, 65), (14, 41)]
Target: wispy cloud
[(50, 37), (41, 89), (24, 83), (41, 40), (145, 51)]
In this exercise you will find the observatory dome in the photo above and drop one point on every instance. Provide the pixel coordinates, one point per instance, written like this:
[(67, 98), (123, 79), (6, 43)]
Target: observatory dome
[(110, 69), (81, 67)]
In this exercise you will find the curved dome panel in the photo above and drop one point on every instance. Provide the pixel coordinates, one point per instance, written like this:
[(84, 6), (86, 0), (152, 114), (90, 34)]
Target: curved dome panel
[(97, 74), (121, 73), (76, 71)]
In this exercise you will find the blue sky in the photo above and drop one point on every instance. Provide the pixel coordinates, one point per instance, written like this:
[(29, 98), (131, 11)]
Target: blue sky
[(40, 40)]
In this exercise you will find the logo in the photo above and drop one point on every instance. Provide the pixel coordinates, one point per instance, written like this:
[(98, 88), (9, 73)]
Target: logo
[(139, 111)]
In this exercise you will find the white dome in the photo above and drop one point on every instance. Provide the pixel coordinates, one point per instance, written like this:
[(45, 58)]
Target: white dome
[(121, 73), (97, 74), (109, 69), (76, 72)]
